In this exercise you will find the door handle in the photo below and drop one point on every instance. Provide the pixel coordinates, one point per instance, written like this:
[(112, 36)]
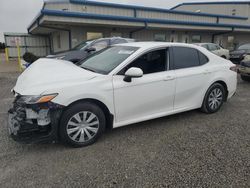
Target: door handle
[(167, 78)]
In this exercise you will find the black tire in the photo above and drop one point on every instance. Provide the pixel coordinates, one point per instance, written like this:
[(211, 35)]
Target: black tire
[(245, 78), (205, 105), (224, 57), (73, 110)]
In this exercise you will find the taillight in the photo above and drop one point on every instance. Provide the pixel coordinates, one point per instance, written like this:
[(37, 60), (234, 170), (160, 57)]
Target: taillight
[(234, 68)]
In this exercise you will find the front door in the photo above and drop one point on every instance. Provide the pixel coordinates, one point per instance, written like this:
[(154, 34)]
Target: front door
[(144, 97)]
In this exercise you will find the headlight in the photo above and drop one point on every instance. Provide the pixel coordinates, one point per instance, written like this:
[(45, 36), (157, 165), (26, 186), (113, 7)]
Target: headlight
[(33, 99)]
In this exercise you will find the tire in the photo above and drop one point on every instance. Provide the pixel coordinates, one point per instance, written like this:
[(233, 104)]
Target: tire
[(215, 95), (245, 78), (224, 57), (82, 124)]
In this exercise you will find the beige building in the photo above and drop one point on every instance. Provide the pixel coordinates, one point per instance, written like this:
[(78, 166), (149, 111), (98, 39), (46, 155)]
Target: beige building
[(69, 22)]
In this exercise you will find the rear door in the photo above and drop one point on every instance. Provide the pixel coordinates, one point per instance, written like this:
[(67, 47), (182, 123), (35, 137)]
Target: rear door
[(191, 76)]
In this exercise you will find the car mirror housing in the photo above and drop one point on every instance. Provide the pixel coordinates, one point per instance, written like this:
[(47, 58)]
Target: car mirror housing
[(132, 72)]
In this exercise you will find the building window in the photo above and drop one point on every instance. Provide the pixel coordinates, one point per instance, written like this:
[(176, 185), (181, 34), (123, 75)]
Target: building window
[(185, 38), (160, 37), (231, 43), (94, 35), (230, 39), (58, 38), (173, 38), (196, 38), (234, 12)]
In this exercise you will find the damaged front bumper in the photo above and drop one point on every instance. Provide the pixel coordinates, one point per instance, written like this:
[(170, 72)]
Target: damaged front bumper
[(34, 123)]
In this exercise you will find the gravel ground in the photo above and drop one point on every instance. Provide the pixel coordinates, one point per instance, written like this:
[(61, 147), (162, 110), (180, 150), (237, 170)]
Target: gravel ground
[(185, 150)]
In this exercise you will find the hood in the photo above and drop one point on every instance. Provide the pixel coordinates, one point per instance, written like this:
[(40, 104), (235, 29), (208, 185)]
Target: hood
[(46, 74)]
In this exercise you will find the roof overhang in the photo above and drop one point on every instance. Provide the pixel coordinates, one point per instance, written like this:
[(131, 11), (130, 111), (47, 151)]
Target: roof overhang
[(212, 3), (48, 17)]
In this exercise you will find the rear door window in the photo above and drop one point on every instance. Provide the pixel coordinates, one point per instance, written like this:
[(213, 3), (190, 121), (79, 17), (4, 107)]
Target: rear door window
[(185, 57)]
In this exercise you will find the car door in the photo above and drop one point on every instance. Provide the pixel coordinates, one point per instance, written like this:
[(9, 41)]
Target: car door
[(146, 97), (191, 73)]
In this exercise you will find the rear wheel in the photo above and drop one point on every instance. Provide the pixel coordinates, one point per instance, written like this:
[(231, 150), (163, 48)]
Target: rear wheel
[(214, 98), (82, 124), (245, 78)]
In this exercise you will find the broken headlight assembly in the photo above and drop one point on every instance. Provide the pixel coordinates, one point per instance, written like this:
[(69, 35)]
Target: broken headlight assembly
[(33, 99), (34, 118)]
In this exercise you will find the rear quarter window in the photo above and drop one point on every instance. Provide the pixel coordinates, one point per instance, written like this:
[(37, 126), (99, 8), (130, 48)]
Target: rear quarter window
[(203, 58)]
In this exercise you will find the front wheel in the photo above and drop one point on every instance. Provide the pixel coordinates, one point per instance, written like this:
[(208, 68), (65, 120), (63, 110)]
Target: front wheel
[(214, 98), (82, 124)]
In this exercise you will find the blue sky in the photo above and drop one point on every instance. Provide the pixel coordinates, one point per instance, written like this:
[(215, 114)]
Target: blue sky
[(16, 15)]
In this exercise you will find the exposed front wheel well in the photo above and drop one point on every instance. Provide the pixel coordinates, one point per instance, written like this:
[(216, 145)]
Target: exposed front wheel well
[(108, 115)]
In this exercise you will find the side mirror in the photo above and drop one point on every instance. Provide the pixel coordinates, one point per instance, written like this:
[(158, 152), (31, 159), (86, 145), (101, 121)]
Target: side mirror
[(133, 72), (90, 49)]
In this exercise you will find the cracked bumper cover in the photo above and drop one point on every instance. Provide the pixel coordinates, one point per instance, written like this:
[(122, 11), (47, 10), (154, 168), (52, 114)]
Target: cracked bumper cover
[(34, 123)]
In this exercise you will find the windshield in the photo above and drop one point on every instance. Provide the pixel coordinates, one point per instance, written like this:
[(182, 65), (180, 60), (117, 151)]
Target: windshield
[(106, 60), (244, 47), (82, 45)]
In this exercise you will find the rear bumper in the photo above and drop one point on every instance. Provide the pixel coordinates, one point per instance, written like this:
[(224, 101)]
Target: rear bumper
[(25, 130)]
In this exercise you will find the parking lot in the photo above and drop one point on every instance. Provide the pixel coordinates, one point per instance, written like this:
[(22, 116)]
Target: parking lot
[(190, 149)]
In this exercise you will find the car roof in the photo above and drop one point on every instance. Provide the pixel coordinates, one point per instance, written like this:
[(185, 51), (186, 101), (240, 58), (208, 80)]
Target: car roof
[(155, 44), (112, 38), (204, 43)]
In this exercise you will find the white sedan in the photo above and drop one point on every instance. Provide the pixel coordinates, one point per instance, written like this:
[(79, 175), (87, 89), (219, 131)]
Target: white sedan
[(123, 84), (216, 49)]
